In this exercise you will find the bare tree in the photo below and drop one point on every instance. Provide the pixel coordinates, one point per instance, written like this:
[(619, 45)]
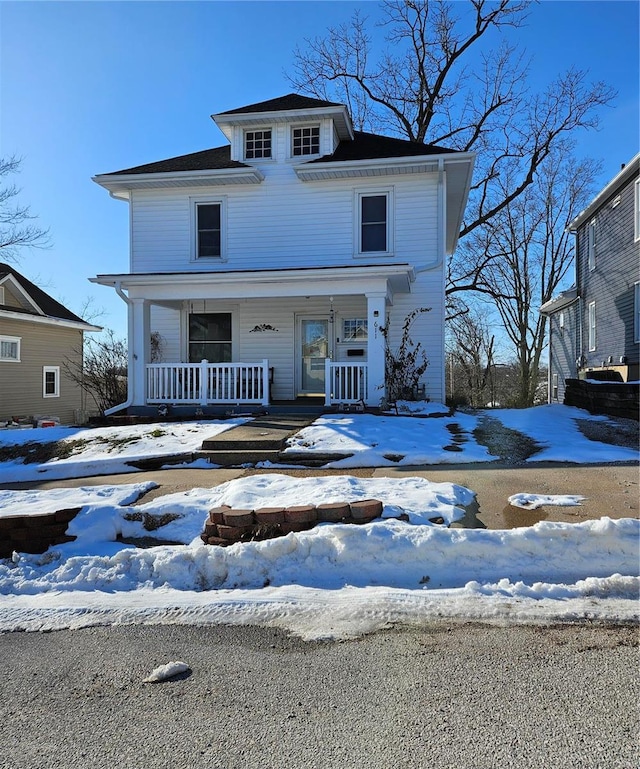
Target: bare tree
[(528, 253), (101, 369), (471, 349), (440, 79), (17, 230)]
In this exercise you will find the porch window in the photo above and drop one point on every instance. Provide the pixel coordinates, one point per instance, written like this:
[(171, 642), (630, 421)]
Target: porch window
[(257, 144), (210, 337), (51, 381), (305, 141), (354, 329), (209, 231), (10, 348)]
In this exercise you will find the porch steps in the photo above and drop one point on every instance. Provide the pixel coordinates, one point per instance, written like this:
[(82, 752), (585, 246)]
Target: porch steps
[(268, 432), (262, 440)]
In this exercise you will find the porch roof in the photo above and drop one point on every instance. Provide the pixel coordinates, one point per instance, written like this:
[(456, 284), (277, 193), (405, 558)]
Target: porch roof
[(307, 281)]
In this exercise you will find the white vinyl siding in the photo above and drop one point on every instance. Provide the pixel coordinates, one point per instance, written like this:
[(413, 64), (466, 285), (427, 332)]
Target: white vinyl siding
[(281, 222), (592, 326), (10, 349)]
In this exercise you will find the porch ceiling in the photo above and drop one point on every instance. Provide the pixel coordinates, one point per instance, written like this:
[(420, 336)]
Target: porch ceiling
[(370, 279)]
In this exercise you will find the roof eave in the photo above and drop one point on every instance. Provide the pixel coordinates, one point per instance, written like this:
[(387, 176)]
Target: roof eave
[(115, 183), (48, 320)]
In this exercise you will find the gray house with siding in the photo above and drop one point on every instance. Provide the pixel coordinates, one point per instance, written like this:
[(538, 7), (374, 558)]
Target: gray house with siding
[(594, 327), (37, 336)]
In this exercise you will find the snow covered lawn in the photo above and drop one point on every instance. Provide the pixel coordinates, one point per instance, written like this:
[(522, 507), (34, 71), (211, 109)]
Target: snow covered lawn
[(103, 450), (336, 580)]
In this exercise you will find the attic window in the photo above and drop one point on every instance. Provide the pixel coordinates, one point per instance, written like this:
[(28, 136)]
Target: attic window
[(1, 294), (306, 140), (257, 144)]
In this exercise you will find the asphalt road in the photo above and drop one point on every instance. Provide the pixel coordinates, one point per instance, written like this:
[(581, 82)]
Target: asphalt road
[(447, 695)]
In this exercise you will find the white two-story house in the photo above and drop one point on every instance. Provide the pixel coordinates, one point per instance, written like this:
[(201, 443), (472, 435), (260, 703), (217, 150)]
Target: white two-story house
[(265, 268)]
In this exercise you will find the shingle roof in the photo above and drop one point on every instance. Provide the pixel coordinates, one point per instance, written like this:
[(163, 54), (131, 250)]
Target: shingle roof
[(205, 160), (367, 146), (290, 101), (46, 303)]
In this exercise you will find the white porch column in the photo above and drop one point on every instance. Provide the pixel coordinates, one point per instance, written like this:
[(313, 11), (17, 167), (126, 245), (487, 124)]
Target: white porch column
[(376, 315), (139, 342)]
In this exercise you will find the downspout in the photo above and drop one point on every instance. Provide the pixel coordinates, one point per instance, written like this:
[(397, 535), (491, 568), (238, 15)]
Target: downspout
[(127, 403)]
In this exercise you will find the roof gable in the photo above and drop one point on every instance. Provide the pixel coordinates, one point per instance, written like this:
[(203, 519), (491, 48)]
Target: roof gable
[(40, 300)]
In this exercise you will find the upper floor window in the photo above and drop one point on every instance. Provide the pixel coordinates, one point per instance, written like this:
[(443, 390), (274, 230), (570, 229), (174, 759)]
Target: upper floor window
[(10, 348), (561, 322), (374, 225), (2, 295), (208, 230), (592, 326), (51, 381), (305, 140), (591, 239), (636, 312), (636, 209), (257, 144)]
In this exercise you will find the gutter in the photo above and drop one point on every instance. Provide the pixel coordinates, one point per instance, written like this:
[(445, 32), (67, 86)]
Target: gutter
[(129, 401)]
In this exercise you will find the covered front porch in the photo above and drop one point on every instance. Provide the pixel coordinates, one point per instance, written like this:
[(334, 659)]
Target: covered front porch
[(251, 337)]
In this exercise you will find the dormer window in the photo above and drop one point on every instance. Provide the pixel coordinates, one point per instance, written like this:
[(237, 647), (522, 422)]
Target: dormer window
[(305, 141), (257, 144)]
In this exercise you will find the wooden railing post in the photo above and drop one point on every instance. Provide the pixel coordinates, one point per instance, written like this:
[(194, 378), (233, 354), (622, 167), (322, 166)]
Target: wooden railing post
[(204, 382), (265, 382)]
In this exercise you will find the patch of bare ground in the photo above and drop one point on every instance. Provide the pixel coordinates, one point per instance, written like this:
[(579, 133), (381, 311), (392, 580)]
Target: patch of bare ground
[(508, 445), (617, 431)]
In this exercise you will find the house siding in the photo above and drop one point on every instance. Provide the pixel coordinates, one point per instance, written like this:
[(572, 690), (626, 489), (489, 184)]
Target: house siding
[(563, 349), (21, 383), (282, 222), (611, 284)]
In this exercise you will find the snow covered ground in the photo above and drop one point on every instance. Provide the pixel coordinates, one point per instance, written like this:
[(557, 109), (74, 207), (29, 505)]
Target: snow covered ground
[(335, 581)]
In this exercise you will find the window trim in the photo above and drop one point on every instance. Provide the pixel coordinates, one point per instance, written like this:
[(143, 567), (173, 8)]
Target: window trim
[(300, 127), (591, 245), (254, 130), (55, 370), (194, 203), (388, 193), (17, 340), (636, 312), (364, 324), (591, 316), (2, 295)]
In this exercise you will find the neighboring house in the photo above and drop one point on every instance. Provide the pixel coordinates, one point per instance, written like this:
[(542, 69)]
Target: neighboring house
[(267, 266), (594, 327), (38, 336)]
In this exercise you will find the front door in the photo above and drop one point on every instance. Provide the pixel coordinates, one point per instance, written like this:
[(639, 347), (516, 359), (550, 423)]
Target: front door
[(313, 334)]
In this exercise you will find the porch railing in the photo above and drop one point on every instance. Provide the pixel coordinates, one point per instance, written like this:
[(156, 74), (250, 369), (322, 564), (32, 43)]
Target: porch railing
[(345, 382), (206, 383)]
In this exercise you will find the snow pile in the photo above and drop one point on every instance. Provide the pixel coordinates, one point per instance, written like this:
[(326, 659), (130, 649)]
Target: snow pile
[(534, 501), (335, 580)]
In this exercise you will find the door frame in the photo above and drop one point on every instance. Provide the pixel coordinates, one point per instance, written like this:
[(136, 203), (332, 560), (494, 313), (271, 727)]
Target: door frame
[(297, 357)]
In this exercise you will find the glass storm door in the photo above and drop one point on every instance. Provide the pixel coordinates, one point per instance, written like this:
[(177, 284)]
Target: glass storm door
[(314, 348)]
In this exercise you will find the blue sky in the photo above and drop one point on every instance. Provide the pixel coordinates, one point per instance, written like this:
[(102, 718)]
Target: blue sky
[(92, 87)]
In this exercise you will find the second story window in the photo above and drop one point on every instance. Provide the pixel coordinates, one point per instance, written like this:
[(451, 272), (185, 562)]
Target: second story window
[(10, 348), (305, 141), (373, 223), (636, 204), (257, 144), (208, 236), (592, 244), (592, 326)]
